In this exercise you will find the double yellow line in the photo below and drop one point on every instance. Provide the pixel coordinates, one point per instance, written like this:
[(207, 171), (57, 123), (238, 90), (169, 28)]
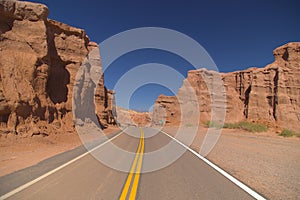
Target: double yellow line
[(134, 174)]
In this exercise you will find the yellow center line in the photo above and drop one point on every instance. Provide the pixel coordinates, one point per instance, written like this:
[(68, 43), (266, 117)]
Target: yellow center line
[(138, 171), (134, 171)]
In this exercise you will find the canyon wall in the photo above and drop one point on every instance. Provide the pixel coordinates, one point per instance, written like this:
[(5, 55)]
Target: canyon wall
[(39, 59), (106, 114), (269, 95), (127, 117)]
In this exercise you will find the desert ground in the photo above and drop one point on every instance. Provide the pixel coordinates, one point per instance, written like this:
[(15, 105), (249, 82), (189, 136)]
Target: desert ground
[(18, 153)]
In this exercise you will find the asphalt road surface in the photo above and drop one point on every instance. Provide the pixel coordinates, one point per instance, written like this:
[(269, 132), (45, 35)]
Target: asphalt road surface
[(87, 178)]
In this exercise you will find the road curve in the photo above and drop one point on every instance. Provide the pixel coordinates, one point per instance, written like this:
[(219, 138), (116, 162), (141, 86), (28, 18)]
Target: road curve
[(87, 178)]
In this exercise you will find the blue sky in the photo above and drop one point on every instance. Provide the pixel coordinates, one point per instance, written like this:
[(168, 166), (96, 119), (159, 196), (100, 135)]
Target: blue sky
[(236, 34)]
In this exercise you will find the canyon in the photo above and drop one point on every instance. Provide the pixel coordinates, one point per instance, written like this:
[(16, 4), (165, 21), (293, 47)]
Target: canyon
[(51, 80), (45, 72)]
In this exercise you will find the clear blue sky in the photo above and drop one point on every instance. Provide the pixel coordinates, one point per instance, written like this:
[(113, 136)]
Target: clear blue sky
[(236, 34)]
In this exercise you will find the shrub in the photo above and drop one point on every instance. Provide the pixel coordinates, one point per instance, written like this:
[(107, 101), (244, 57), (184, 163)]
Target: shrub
[(231, 126), (189, 125), (253, 127), (289, 133), (212, 124), (248, 126)]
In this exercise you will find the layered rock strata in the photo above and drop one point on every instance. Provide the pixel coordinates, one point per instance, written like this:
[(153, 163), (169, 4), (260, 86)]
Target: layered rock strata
[(269, 95), (127, 117), (39, 59)]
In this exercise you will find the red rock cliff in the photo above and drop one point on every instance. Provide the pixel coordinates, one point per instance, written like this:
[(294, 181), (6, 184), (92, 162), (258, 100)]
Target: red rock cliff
[(268, 95), (39, 59), (131, 117)]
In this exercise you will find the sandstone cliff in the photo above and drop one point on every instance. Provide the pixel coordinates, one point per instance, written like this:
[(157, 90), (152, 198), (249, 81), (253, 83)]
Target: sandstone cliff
[(269, 95), (130, 117), (39, 59)]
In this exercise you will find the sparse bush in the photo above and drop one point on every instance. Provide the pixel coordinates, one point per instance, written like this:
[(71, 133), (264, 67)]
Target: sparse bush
[(231, 126), (189, 125), (252, 127), (289, 133), (206, 124), (248, 126), (212, 124)]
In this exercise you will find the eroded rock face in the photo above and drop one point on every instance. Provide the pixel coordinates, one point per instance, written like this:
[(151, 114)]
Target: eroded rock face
[(39, 59), (269, 95), (127, 117), (106, 107)]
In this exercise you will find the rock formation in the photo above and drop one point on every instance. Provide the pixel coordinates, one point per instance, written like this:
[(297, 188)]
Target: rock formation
[(39, 59), (106, 114), (269, 95), (127, 117)]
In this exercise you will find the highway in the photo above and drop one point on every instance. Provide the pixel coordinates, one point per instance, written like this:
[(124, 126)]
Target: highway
[(87, 178)]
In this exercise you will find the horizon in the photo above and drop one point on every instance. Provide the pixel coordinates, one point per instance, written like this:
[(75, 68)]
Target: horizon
[(237, 35)]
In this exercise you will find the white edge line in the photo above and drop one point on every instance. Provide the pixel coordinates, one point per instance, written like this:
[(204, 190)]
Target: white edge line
[(26, 185), (221, 171)]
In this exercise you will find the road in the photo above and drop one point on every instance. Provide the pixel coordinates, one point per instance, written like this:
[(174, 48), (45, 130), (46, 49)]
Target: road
[(87, 178)]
